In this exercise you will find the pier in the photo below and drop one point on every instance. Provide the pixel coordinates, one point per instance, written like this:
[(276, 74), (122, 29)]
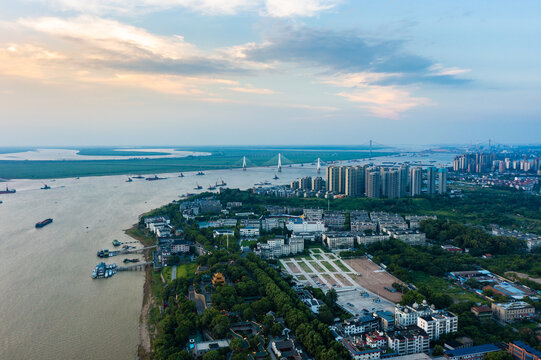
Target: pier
[(107, 253), (135, 267)]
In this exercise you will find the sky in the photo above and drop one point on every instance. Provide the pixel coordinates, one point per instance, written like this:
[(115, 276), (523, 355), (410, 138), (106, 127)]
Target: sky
[(245, 72)]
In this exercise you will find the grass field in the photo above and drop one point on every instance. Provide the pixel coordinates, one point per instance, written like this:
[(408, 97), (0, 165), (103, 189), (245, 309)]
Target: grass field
[(305, 267), (186, 270), (439, 285), (220, 158), (328, 266), (166, 272), (341, 265)]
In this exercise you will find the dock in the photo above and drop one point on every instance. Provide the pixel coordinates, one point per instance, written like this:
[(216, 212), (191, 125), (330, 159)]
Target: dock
[(135, 267), (107, 253)]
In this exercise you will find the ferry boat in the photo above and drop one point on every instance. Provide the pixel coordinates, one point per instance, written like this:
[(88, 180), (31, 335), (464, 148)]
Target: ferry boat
[(43, 223), (138, 177), (45, 187), (8, 191)]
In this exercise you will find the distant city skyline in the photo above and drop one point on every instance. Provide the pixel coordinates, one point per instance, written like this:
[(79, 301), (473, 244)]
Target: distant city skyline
[(276, 72)]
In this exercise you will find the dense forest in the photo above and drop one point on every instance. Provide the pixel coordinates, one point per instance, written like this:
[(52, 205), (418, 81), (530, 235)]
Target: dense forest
[(254, 289)]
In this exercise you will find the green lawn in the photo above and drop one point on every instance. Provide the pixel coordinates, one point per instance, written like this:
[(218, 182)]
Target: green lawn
[(317, 267), (166, 272), (440, 285), (317, 256), (305, 267), (341, 265), (328, 266), (186, 270)]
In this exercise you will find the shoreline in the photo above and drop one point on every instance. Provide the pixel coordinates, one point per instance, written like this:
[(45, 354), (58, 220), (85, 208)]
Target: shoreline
[(144, 348)]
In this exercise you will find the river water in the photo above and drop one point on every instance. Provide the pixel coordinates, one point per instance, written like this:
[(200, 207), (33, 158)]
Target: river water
[(50, 308)]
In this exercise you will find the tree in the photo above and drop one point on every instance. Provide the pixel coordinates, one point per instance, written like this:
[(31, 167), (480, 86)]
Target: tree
[(236, 345), (325, 315), (438, 350), (332, 296), (212, 355), (499, 355), (182, 355)]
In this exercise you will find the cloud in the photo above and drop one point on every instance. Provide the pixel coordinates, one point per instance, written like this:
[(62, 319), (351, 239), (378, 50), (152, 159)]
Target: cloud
[(252, 90), (273, 8), (293, 8), (98, 42), (112, 36), (346, 52), (384, 101)]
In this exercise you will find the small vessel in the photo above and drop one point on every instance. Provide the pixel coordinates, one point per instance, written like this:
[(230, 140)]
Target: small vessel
[(129, 179), (211, 187), (94, 274), (104, 253), (275, 177), (154, 178), (45, 187), (131, 260), (221, 184), (198, 187), (181, 175), (138, 177), (43, 223), (8, 191), (1, 201), (116, 242), (200, 173), (263, 183)]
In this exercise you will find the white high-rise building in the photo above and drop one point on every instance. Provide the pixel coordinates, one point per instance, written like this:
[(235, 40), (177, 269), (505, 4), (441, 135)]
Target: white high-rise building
[(416, 181)]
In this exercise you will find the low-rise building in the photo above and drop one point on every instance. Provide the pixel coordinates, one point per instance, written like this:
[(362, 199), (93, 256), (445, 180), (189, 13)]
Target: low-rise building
[(407, 315), (415, 220), (522, 351), (180, 246), (359, 325), (386, 319), (376, 340), (367, 239), (512, 311), (410, 340), (471, 353), (483, 312), (203, 347), (249, 231), (299, 225), (358, 353), (438, 323), (275, 248), (411, 237), (335, 220), (338, 240)]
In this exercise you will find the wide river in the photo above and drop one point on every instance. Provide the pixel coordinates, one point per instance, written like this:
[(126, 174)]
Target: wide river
[(50, 308)]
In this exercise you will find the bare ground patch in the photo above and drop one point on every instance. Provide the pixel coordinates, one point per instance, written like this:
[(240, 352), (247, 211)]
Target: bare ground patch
[(374, 279)]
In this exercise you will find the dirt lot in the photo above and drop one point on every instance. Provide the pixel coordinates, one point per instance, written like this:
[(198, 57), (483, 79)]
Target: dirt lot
[(294, 269), (374, 279)]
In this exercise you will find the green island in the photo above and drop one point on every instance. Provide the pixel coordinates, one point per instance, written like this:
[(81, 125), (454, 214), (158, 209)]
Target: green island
[(220, 158), (223, 292)]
